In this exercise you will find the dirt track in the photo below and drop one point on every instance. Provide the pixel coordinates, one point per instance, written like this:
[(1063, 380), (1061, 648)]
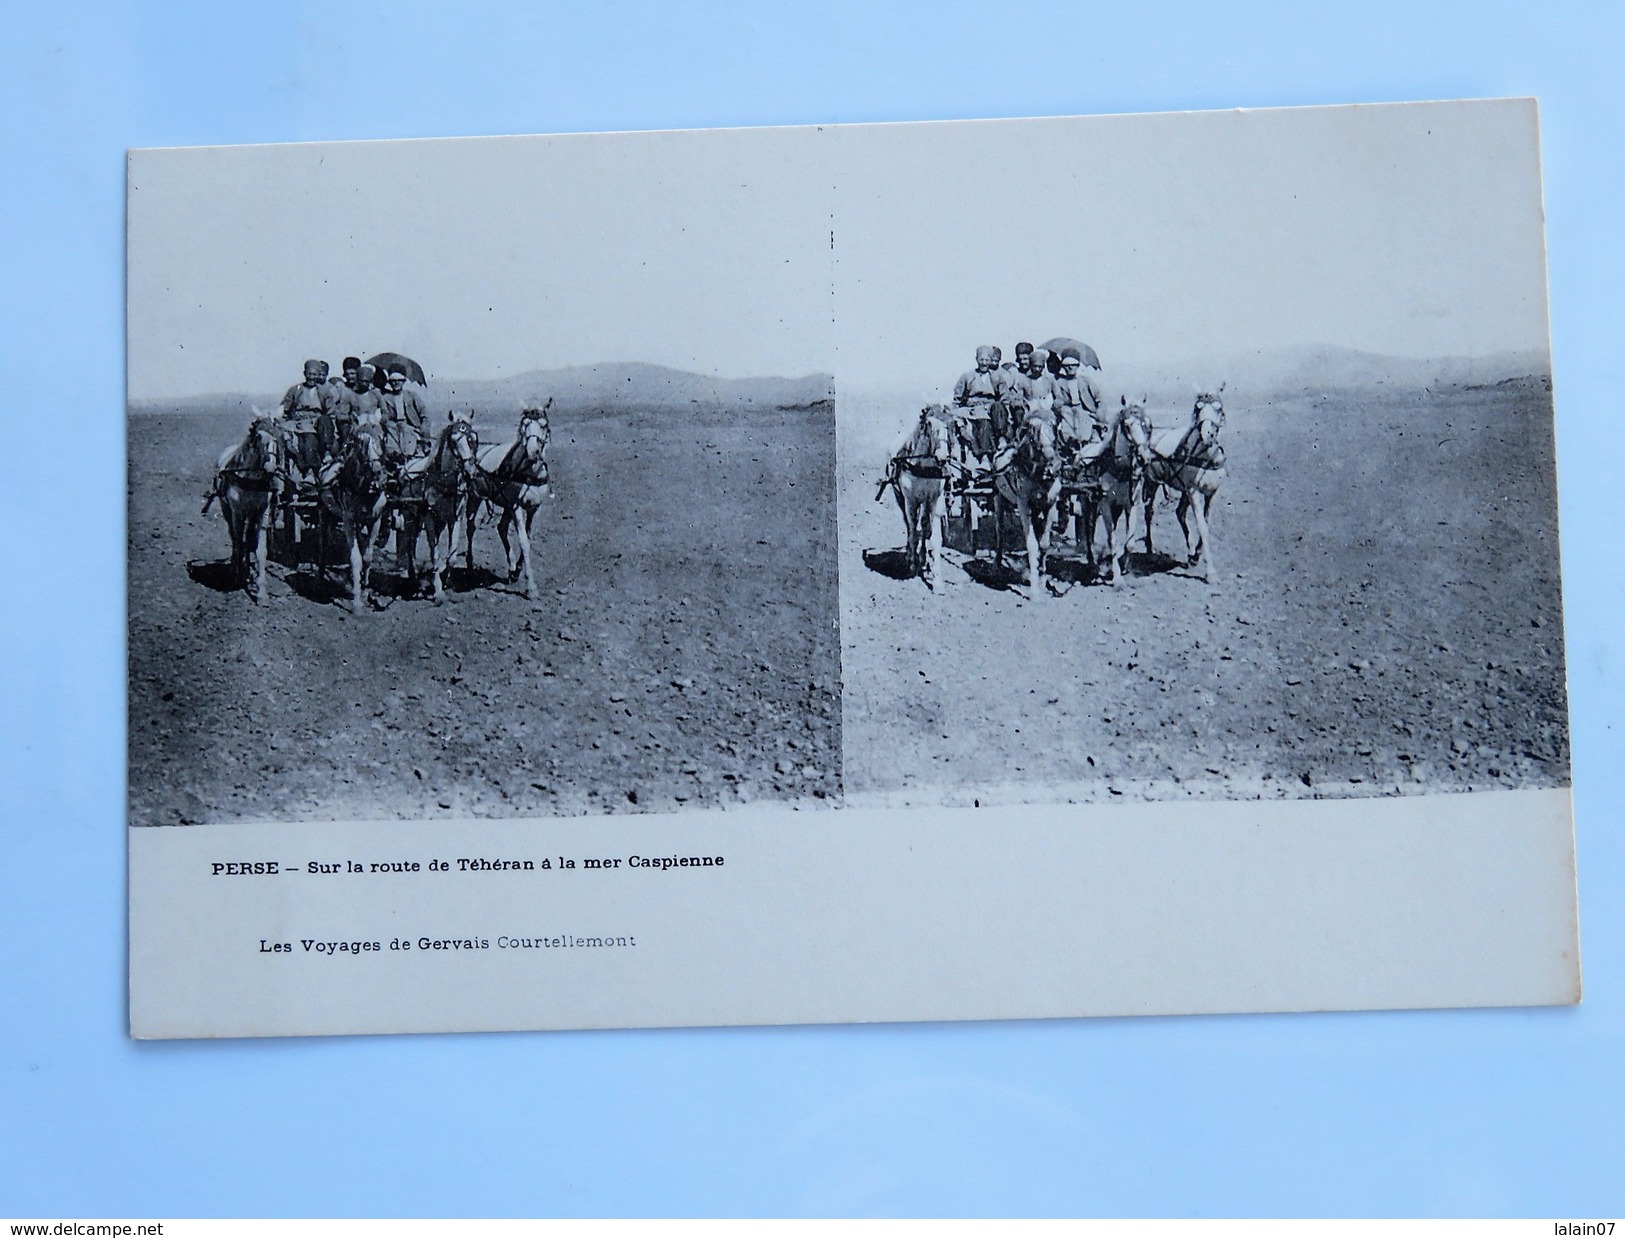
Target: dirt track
[(1385, 619), (682, 650)]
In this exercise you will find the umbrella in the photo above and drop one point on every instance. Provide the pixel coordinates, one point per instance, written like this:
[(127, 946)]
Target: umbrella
[(386, 361), (1060, 342)]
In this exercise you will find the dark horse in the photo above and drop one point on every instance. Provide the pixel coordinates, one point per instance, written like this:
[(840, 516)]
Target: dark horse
[(356, 497), (247, 484), (435, 491), (1027, 475), (1118, 465), (513, 478)]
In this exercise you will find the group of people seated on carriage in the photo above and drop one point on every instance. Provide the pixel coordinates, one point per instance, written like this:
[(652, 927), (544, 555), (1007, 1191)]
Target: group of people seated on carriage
[(320, 413), (992, 402)]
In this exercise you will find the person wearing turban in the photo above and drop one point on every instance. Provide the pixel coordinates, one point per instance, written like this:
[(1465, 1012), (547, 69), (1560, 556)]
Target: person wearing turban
[(357, 399), (307, 407), (975, 394)]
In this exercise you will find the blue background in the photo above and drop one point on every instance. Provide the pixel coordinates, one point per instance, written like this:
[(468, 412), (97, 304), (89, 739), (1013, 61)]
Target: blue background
[(1471, 1112)]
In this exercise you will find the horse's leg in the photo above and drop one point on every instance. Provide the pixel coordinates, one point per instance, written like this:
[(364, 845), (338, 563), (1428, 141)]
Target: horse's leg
[(1150, 503), (908, 534), (355, 537), (997, 504), (1128, 509), (471, 511), (1045, 533), (1108, 515), (256, 564), (406, 548), (290, 542), (1087, 516), (382, 519), (901, 496), (373, 535), (1034, 570), (526, 512), (504, 525), (431, 536), (232, 536), (928, 544), (1200, 505), (1183, 512)]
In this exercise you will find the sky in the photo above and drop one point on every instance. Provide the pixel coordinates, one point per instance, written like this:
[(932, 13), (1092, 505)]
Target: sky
[(1403, 230), (881, 253), (705, 251)]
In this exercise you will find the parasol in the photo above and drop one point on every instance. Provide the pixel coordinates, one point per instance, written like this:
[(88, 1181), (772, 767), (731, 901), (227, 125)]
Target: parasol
[(1060, 342), (386, 361)]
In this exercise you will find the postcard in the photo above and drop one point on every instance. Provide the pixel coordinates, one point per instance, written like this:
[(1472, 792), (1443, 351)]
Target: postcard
[(974, 570)]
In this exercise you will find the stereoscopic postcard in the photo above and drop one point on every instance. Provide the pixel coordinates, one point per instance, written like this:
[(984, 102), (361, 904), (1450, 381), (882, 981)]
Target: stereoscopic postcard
[(973, 570)]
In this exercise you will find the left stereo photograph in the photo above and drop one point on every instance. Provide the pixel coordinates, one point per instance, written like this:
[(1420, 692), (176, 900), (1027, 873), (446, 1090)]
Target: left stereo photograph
[(482, 478)]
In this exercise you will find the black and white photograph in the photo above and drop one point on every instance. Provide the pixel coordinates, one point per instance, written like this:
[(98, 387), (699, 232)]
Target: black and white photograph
[(480, 479), (687, 578), (1199, 457)]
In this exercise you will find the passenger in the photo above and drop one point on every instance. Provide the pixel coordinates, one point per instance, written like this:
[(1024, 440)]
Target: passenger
[(357, 399), (405, 421), (975, 394), (1037, 387), (1078, 416), (308, 407)]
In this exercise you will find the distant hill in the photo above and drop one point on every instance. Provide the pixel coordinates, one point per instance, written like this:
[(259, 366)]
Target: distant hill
[(1284, 371), (608, 387), (615, 385)]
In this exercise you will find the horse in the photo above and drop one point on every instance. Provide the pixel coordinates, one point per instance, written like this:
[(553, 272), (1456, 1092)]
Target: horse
[(1190, 463), (513, 479), (915, 475), (1117, 466), (355, 492), (434, 491), (248, 482), (1027, 475)]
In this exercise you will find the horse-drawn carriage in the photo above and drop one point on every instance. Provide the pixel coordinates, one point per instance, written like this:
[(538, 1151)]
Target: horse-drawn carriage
[(364, 493), (1034, 488)]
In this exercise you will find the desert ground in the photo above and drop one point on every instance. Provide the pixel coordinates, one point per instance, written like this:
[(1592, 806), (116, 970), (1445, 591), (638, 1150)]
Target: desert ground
[(1384, 618), (682, 650)]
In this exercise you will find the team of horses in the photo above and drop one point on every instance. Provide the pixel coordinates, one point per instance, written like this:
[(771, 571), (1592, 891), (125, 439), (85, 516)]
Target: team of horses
[(365, 498), (1104, 486)]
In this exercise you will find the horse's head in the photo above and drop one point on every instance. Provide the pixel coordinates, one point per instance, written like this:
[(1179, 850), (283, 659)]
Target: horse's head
[(462, 441), (1036, 448), (266, 442), (1133, 421), (929, 439), (1131, 432), (364, 454), (535, 431), (1208, 415)]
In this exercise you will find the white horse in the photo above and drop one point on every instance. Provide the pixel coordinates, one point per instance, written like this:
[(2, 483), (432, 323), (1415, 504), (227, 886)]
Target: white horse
[(513, 478), (1190, 463), (249, 479), (915, 474)]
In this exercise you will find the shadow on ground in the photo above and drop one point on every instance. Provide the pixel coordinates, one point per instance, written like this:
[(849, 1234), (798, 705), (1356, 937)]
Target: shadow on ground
[(891, 563)]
